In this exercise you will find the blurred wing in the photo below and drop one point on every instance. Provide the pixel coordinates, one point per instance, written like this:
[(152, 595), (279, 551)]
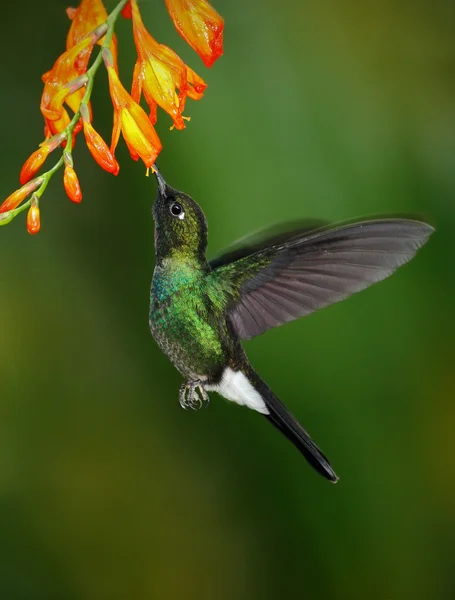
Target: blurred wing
[(264, 238), (309, 271)]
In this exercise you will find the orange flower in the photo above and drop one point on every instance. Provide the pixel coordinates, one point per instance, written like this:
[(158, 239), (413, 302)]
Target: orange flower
[(99, 149), (130, 119), (56, 91), (200, 25), (89, 15), (71, 184), (33, 218), (159, 73)]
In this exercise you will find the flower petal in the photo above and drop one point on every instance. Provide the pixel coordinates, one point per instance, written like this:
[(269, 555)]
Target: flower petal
[(141, 139), (200, 25), (99, 149), (196, 85), (140, 135)]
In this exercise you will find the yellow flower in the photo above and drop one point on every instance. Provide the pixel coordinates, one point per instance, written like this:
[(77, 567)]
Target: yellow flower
[(131, 120)]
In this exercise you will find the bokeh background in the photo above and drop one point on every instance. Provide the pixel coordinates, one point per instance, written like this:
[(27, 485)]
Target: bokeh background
[(108, 490)]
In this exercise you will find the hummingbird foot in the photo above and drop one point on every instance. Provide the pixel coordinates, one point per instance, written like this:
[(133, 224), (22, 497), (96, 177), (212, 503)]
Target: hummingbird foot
[(193, 396)]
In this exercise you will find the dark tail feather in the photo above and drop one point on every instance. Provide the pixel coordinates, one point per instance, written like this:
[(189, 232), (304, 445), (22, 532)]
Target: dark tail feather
[(282, 419), (291, 428)]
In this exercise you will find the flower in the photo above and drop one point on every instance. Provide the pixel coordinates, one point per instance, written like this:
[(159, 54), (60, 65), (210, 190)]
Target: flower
[(130, 119), (56, 91), (99, 149), (200, 26), (19, 195), (159, 73), (89, 15), (71, 184)]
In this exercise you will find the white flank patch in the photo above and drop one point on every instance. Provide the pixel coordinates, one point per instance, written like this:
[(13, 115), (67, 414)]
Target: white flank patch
[(236, 387)]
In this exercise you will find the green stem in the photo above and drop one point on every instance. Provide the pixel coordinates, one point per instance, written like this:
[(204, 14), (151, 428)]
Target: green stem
[(68, 131), (47, 175)]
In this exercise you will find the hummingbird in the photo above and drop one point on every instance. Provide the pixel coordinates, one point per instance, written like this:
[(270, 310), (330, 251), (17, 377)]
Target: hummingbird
[(201, 310)]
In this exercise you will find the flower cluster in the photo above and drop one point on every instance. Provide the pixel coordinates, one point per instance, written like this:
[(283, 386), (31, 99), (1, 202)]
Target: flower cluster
[(159, 75)]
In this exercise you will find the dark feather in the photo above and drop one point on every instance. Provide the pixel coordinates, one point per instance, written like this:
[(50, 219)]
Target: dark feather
[(285, 422), (294, 277)]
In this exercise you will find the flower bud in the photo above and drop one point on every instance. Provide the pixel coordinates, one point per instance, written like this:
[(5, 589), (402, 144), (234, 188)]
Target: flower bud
[(19, 195), (71, 183), (34, 163), (33, 218)]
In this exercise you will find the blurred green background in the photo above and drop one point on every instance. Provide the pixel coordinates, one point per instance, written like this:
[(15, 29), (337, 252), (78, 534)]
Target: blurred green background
[(108, 490)]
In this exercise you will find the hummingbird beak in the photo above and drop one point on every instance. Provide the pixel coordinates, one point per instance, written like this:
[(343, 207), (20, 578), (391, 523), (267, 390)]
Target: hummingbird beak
[(162, 185)]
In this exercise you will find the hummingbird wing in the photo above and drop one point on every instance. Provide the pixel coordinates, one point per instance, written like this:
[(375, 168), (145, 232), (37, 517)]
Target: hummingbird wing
[(266, 237), (293, 277)]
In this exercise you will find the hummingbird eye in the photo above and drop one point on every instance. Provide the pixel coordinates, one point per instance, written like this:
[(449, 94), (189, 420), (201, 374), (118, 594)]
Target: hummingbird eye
[(177, 210)]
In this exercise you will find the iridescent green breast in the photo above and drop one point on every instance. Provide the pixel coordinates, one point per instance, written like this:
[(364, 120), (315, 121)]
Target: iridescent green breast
[(187, 317)]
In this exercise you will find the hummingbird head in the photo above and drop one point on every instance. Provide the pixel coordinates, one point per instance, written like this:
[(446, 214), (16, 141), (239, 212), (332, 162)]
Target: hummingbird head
[(180, 224)]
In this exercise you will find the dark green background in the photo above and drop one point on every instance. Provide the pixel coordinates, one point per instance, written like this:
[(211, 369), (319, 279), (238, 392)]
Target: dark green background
[(108, 490)]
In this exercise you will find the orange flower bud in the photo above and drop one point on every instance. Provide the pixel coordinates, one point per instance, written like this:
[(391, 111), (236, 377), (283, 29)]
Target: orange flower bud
[(34, 163), (100, 150), (33, 219), (71, 183), (19, 195), (200, 26)]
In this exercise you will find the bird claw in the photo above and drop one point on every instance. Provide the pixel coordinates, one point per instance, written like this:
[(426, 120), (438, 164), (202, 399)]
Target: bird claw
[(193, 396)]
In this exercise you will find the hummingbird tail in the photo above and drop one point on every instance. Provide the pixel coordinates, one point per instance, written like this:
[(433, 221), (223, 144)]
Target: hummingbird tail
[(285, 422)]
